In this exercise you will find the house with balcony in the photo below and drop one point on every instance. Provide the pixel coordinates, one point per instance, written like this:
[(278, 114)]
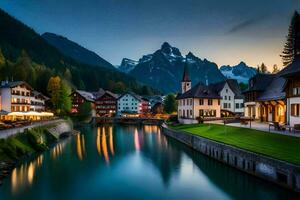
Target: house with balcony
[(106, 104), (257, 85), (20, 101), (79, 97)]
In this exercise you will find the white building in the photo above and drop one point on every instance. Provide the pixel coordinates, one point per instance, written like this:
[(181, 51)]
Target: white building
[(232, 99), (200, 101), (19, 97), (129, 103)]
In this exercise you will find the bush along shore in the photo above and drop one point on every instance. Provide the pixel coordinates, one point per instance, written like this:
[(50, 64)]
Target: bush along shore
[(31, 142)]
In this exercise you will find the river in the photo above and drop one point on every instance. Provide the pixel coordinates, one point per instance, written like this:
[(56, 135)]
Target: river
[(130, 162)]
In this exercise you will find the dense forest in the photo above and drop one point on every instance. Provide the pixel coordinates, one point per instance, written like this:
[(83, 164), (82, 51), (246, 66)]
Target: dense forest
[(25, 55)]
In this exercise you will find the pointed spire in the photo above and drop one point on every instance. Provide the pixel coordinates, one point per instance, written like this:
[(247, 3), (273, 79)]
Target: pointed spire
[(186, 76)]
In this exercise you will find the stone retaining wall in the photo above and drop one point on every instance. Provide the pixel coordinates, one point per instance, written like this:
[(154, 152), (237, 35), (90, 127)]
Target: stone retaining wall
[(276, 171), (13, 131)]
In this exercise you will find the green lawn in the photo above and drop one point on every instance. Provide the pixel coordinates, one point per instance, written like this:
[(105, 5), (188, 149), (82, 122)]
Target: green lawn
[(281, 147)]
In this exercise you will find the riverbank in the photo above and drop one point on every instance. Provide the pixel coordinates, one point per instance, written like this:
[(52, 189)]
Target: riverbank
[(31, 141), (224, 144)]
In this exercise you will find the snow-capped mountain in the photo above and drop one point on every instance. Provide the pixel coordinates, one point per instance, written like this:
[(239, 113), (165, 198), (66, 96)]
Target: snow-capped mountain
[(164, 68), (241, 72), (127, 65)]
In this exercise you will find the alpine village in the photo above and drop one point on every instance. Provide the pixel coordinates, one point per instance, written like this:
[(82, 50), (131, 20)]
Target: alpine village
[(168, 126)]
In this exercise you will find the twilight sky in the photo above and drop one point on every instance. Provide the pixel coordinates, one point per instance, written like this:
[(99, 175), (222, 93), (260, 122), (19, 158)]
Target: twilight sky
[(225, 32)]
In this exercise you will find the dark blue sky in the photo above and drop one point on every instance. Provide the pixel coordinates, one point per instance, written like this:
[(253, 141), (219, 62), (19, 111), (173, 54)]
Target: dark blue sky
[(225, 32)]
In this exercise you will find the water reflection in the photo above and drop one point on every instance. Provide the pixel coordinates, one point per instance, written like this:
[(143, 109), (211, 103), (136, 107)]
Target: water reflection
[(23, 175), (80, 146), (100, 161), (57, 150), (105, 142)]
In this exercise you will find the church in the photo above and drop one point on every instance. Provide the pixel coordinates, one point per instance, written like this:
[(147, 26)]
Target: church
[(198, 102)]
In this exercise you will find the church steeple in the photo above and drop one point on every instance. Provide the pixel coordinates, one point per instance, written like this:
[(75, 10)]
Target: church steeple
[(186, 76), (186, 83)]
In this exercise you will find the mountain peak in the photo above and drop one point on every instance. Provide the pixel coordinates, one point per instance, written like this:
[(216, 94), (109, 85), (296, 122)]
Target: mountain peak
[(242, 63), (165, 45)]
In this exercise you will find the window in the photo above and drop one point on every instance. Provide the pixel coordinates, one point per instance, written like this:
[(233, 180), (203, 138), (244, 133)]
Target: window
[(183, 113), (229, 105), (201, 113), (191, 101), (225, 97), (224, 105), (226, 90), (237, 105), (229, 98), (183, 103), (191, 113), (295, 110), (200, 101), (296, 91), (210, 102), (242, 105)]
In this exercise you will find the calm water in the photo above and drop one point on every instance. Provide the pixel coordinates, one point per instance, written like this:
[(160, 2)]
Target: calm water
[(130, 162)]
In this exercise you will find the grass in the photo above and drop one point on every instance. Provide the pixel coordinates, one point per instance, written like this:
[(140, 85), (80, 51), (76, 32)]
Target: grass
[(24, 144), (281, 147)]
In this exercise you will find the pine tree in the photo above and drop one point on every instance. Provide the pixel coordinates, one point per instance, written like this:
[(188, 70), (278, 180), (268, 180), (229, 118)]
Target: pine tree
[(262, 69), (275, 69), (292, 45)]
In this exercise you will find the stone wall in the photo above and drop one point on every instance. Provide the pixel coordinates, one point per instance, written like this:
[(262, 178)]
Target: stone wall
[(276, 171), (13, 131)]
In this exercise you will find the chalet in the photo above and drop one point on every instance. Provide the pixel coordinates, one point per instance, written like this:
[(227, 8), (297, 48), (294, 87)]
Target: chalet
[(132, 103), (257, 86), (106, 104), (20, 101), (200, 101), (79, 97), (291, 74)]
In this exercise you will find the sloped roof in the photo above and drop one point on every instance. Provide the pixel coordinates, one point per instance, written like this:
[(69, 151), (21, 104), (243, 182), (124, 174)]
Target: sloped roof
[(36, 93), (109, 93), (201, 91), (292, 69), (234, 86), (12, 84), (260, 82), (87, 95), (274, 91), (99, 93), (139, 98)]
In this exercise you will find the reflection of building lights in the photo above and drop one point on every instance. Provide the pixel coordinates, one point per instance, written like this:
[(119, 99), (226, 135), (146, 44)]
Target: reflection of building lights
[(30, 173), (23, 176), (98, 141), (104, 147), (111, 141), (79, 147), (136, 140), (14, 180)]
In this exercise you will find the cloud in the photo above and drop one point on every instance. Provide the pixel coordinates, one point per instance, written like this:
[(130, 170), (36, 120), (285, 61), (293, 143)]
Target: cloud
[(246, 23)]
